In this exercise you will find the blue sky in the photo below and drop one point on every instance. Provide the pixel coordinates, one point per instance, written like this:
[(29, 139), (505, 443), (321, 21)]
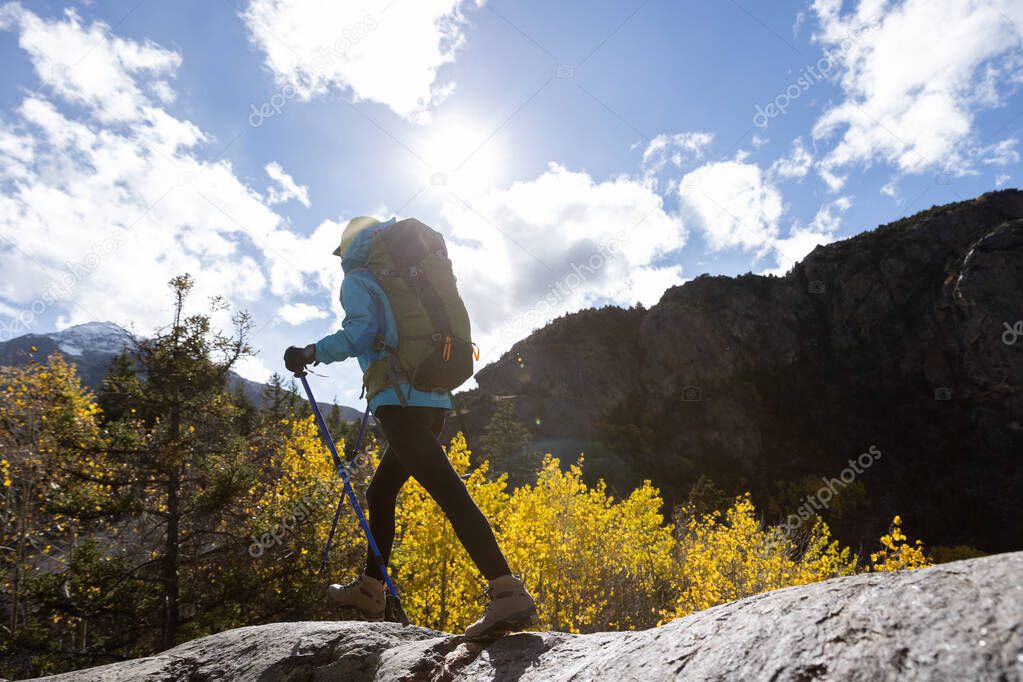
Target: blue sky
[(574, 154)]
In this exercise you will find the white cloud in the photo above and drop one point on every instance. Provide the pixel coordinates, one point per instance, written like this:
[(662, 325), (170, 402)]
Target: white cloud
[(795, 247), (675, 150), (391, 57), (560, 242), (1001, 179), (914, 79), (834, 181), (105, 201), (299, 313), (1000, 153), (828, 218), (804, 239), (647, 285), (8, 311), (732, 203), (795, 165), (253, 368), (88, 65), (287, 187), (737, 205)]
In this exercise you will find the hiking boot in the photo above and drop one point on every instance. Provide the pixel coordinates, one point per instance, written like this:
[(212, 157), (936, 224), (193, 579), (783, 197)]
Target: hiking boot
[(511, 608), (366, 595)]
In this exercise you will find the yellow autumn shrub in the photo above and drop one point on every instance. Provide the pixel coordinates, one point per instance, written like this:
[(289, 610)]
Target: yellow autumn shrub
[(897, 553), (440, 584), (291, 514), (48, 428), (592, 561), (724, 559)]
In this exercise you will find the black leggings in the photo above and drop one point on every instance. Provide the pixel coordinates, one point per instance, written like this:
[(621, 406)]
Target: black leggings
[(413, 450)]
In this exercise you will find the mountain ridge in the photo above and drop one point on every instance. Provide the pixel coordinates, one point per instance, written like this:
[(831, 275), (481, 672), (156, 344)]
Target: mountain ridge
[(890, 338), (92, 346)]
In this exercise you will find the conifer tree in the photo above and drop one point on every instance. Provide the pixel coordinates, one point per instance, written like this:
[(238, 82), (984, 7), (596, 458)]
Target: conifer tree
[(503, 440), (179, 446), (279, 402)]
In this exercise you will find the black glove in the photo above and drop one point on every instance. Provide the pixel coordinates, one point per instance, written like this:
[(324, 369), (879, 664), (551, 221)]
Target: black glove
[(295, 358)]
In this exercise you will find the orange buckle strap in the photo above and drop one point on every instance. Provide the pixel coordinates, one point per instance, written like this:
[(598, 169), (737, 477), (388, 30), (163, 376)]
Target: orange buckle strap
[(447, 349), (475, 352)]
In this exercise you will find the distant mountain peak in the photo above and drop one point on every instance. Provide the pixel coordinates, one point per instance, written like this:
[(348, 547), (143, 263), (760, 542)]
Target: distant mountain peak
[(94, 326), (98, 337), (92, 346)]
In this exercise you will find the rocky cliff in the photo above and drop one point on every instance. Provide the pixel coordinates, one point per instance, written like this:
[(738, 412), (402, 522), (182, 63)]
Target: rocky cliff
[(958, 621), (901, 338)]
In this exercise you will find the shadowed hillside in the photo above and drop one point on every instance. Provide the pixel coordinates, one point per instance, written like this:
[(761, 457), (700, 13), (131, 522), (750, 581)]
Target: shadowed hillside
[(891, 339)]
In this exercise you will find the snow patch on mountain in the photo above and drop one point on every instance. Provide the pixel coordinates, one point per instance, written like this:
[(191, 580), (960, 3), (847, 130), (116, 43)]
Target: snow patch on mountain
[(95, 337)]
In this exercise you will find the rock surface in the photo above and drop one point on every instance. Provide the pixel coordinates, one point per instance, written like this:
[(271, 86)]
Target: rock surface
[(958, 621), (898, 338)]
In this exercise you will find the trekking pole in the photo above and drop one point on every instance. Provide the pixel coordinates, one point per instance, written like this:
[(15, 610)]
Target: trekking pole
[(349, 456), (342, 470)]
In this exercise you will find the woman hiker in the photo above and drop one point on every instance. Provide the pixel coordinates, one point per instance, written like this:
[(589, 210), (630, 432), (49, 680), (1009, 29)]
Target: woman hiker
[(411, 418)]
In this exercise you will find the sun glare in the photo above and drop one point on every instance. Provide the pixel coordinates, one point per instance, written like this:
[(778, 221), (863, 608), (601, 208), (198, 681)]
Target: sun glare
[(461, 153)]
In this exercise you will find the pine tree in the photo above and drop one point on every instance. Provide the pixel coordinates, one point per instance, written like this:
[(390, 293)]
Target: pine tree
[(503, 441), (248, 416), (342, 430), (180, 446), (279, 401), (336, 421), (112, 402)]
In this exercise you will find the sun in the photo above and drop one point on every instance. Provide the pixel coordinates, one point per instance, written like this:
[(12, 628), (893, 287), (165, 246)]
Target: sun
[(463, 152)]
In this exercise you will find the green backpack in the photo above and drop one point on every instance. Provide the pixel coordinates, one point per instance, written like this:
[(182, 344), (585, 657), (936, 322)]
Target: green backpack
[(435, 351)]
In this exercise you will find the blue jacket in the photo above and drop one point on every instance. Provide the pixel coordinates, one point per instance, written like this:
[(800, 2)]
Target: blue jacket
[(367, 314)]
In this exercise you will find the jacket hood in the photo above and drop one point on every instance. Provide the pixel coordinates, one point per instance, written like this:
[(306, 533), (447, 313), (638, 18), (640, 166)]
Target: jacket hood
[(357, 254)]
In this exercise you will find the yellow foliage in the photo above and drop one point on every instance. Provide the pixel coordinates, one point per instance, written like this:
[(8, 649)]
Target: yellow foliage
[(739, 557), (596, 563), (897, 553), (293, 509), (440, 584), (592, 563), (46, 421)]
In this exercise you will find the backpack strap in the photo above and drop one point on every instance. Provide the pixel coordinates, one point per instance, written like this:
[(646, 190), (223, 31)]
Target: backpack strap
[(392, 376), (380, 344), (458, 413)]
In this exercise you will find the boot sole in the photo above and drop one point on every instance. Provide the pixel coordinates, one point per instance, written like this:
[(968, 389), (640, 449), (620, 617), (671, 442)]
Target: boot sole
[(516, 621), (362, 615)]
